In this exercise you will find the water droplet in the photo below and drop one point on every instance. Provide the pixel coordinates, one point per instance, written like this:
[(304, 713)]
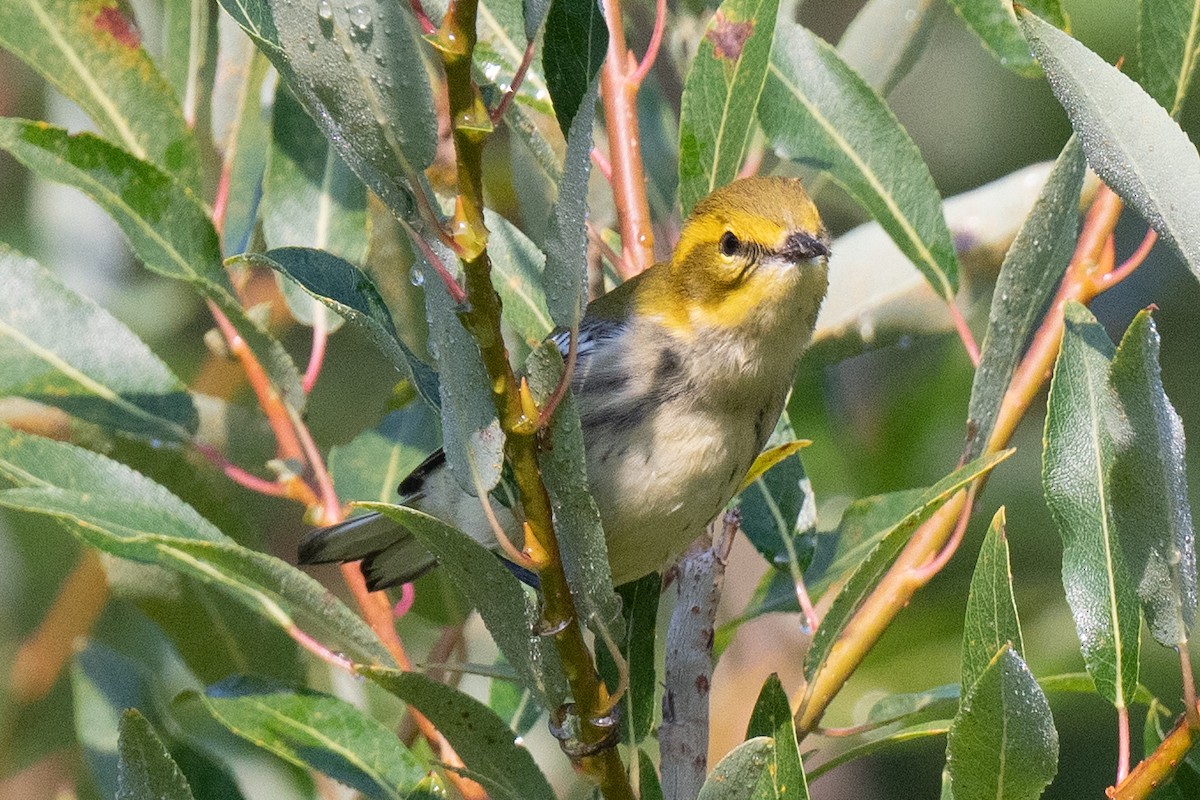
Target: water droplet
[(910, 15), (325, 10), (491, 71), (360, 20), (416, 276)]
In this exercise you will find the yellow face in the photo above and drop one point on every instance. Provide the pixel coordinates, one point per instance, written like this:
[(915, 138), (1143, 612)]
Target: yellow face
[(746, 246)]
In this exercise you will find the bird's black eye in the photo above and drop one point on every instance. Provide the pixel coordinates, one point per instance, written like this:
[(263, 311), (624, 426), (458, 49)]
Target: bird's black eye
[(729, 244)]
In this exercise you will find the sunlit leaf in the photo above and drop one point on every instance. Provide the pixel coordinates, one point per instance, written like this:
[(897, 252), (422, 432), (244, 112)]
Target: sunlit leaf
[(111, 507), (145, 770), (359, 71), (1129, 139), (1032, 269), (490, 750), (60, 348), (991, 620), (875, 563), (246, 157), (720, 95), (166, 226), (1082, 422), (517, 273), (91, 51), (772, 716), (495, 593), (886, 38), (1003, 744), (1149, 489), (815, 109), (186, 60), (316, 731)]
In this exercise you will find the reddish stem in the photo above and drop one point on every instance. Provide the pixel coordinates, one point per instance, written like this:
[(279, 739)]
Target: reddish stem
[(602, 164), (1133, 262), (427, 26), (239, 475), (1122, 743), (660, 22), (320, 338), (964, 332), (455, 291), (518, 79), (221, 200)]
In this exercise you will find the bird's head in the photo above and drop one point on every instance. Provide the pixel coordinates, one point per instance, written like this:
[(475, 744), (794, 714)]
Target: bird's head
[(754, 250)]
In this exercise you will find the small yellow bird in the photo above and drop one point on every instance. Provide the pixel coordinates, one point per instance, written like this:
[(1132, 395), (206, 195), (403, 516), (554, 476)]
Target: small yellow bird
[(682, 373)]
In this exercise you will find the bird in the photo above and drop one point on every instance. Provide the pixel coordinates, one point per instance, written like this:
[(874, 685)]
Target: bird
[(681, 375)]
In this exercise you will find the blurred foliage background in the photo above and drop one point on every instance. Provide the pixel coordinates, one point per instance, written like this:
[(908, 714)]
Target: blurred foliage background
[(885, 420)]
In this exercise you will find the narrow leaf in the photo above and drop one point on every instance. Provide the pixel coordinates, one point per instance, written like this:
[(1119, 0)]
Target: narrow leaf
[(1168, 43), (720, 96), (1082, 421), (779, 514), (349, 292), (316, 731), (186, 59), (246, 156), (915, 707), (91, 51), (574, 46), (490, 750), (495, 593), (1003, 745), (517, 274), (925, 731), (122, 512), (576, 518), (772, 716), (1129, 139), (60, 348), (995, 23), (875, 563), (1032, 268), (1149, 489), (639, 604), (166, 226), (473, 438), (566, 245), (815, 109), (886, 38), (145, 770), (743, 774), (359, 71), (991, 621)]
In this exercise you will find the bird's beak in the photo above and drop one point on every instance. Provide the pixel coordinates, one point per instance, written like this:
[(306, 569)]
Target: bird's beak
[(803, 246)]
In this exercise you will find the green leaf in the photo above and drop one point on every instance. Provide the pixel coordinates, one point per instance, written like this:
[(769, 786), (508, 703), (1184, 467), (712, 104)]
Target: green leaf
[(1129, 139), (316, 731), (639, 607), (915, 707), (359, 71), (1082, 421), (886, 38), (349, 292), (310, 197), (1003, 745), (517, 273), (991, 621), (145, 770), (166, 226), (779, 516), (60, 348), (744, 773), (1082, 683), (246, 156), (995, 23), (1168, 43), (111, 507), (187, 60), (720, 96), (573, 49), (925, 731), (566, 244), (576, 519), (507, 612), (772, 717), (1149, 489), (876, 562), (472, 436), (91, 52), (1031, 270), (485, 743), (815, 109), (513, 702)]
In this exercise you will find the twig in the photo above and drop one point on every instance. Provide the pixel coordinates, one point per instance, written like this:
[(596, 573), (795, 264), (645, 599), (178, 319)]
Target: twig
[(1156, 768), (1122, 742), (250, 480), (602, 164), (964, 332), (1134, 261), (320, 337), (624, 148), (427, 26), (1189, 684), (518, 78), (660, 22), (331, 507)]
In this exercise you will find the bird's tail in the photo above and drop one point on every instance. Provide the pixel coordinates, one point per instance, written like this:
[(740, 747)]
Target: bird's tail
[(391, 555)]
